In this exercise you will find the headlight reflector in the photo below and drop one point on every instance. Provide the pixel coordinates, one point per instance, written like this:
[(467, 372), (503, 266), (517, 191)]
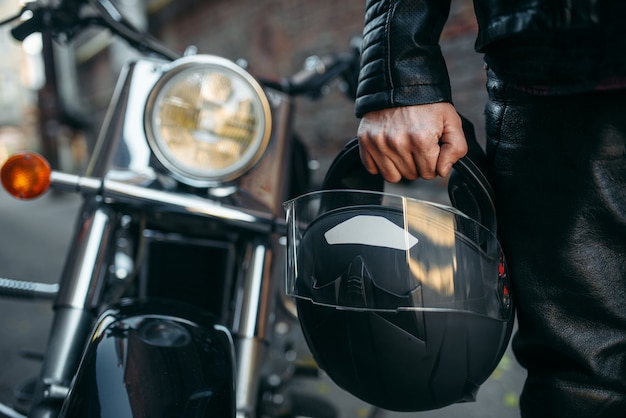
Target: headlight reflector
[(207, 120)]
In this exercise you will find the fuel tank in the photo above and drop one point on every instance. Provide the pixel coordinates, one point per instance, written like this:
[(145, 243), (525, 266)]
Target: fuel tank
[(154, 360)]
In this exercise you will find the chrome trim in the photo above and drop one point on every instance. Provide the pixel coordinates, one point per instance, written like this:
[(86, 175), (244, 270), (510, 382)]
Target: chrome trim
[(122, 192), (121, 142), (67, 337), (250, 354), (27, 289), (251, 322), (10, 412), (84, 270), (72, 183), (245, 218), (253, 293)]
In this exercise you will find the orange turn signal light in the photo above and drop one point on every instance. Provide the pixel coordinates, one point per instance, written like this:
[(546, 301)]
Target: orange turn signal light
[(26, 175)]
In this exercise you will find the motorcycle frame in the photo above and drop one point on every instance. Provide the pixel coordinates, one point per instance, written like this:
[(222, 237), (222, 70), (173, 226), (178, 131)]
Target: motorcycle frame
[(253, 204)]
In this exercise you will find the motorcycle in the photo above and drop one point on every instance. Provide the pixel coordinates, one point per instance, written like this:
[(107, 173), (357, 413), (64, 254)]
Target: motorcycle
[(172, 284)]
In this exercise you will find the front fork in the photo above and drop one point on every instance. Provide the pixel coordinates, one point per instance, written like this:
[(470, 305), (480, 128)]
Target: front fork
[(254, 297), (79, 295)]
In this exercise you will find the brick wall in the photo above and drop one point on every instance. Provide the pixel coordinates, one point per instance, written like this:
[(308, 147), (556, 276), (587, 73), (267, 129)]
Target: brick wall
[(275, 37)]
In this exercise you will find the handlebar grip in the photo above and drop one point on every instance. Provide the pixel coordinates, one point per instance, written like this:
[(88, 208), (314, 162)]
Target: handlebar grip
[(32, 25)]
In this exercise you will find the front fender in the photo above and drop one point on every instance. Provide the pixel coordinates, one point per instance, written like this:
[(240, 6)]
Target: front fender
[(155, 361)]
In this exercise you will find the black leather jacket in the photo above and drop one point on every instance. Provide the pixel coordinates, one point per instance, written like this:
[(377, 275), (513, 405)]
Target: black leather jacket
[(402, 63)]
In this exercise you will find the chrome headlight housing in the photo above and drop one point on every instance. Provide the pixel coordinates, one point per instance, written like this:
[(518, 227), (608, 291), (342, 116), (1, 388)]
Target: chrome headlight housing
[(207, 120)]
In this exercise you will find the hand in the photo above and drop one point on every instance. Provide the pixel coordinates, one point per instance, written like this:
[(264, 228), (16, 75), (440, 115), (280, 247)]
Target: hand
[(412, 141)]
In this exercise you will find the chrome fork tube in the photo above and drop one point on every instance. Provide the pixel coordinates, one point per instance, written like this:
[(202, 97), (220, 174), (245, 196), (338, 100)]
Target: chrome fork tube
[(251, 323), (79, 294)]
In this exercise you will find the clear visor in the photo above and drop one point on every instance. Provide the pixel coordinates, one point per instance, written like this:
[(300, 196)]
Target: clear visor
[(359, 250)]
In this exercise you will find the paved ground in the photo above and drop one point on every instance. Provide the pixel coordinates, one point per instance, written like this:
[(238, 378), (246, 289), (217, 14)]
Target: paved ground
[(33, 242)]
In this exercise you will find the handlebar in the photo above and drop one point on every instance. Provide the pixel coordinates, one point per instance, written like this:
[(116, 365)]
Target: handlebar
[(318, 72), (68, 18)]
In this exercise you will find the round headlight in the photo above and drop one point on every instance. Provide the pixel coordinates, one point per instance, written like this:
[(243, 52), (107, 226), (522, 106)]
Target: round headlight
[(207, 120)]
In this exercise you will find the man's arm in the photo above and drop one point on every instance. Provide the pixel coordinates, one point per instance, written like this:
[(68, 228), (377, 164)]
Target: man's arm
[(409, 128)]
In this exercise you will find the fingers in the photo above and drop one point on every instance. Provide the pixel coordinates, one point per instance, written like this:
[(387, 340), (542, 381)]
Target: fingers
[(425, 152), (383, 148), (450, 153), (412, 142), (452, 147), (384, 155)]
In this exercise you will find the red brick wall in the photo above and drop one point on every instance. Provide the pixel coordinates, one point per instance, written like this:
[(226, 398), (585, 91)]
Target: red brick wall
[(275, 37)]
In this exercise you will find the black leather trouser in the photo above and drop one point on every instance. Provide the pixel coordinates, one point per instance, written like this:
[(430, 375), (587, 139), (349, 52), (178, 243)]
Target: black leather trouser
[(559, 166)]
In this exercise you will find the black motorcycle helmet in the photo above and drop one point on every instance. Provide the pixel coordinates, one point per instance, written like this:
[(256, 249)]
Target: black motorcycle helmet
[(403, 302)]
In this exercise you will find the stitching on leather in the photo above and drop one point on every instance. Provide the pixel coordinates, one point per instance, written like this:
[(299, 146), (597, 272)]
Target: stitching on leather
[(390, 12)]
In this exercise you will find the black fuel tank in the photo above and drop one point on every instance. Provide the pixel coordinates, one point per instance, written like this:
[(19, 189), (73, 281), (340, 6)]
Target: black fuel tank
[(155, 360)]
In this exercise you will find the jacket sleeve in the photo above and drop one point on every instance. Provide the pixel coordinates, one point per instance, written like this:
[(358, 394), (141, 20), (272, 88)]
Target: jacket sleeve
[(401, 62)]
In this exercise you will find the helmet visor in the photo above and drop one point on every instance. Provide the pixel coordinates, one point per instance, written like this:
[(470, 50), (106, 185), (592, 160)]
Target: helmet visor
[(360, 250)]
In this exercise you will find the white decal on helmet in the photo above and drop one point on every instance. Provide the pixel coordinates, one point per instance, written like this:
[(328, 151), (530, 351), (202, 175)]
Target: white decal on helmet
[(370, 230)]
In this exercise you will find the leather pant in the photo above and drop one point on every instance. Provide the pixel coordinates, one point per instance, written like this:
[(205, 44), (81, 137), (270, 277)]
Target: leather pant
[(559, 173)]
